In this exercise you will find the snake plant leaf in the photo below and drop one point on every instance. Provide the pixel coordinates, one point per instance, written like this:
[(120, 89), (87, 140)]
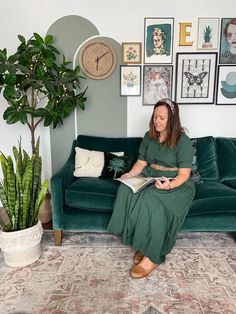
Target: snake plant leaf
[(11, 184), (40, 198)]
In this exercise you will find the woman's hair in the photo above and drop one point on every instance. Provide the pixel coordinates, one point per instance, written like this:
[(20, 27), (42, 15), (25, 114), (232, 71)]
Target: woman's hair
[(173, 127)]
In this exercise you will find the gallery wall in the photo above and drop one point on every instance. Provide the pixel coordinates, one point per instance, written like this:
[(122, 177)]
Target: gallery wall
[(123, 22)]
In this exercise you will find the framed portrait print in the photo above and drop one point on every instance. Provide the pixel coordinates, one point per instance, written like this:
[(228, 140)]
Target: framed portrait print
[(158, 40), (226, 85), (208, 33), (195, 78), (130, 80), (131, 52), (228, 41), (157, 83)]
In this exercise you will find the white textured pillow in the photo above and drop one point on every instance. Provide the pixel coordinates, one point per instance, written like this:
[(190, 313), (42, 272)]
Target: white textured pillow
[(88, 163)]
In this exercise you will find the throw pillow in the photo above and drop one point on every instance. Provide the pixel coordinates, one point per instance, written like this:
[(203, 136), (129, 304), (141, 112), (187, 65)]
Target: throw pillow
[(88, 163), (115, 166), (195, 175)]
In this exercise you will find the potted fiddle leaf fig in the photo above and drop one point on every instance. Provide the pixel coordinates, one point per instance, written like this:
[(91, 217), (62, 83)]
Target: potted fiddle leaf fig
[(21, 194), (39, 84)]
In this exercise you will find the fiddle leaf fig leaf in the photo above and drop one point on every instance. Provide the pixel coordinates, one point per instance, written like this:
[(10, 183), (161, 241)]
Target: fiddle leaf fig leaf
[(48, 39), (21, 38)]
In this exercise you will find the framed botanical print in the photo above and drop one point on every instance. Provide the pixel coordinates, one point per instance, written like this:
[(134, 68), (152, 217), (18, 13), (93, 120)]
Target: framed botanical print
[(158, 40), (208, 33), (195, 78), (131, 52), (226, 85), (228, 41), (130, 80), (157, 83)]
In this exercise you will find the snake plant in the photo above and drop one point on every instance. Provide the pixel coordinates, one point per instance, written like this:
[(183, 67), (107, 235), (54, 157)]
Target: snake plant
[(21, 192)]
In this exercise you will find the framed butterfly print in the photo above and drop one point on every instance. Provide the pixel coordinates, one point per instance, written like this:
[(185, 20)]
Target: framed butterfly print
[(195, 78)]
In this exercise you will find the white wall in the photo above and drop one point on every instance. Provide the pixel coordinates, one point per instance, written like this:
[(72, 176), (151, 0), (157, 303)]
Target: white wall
[(124, 21)]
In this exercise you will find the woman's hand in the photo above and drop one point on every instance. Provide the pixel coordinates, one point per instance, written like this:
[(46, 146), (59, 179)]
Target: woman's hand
[(163, 184), (126, 175)]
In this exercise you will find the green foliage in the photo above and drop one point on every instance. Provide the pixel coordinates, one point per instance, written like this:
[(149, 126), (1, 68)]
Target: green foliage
[(207, 34), (21, 192), (37, 87), (116, 165)]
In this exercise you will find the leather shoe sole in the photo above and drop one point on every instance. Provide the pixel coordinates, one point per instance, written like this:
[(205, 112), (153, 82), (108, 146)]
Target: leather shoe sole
[(138, 272)]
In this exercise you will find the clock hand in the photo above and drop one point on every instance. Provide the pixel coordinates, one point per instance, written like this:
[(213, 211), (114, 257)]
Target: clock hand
[(98, 58)]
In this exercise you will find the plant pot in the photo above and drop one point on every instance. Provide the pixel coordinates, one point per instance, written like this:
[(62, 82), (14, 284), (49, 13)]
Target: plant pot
[(45, 211), (207, 45), (23, 247)]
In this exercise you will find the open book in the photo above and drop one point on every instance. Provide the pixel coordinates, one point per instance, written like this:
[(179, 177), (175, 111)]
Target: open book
[(138, 183)]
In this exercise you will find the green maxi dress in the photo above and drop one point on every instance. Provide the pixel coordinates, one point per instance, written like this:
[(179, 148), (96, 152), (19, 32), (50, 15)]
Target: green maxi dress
[(150, 219)]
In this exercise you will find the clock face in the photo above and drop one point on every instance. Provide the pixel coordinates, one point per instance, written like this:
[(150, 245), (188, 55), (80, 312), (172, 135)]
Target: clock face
[(97, 59)]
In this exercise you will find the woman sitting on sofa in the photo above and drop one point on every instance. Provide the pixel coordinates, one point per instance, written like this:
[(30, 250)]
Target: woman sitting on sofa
[(149, 220)]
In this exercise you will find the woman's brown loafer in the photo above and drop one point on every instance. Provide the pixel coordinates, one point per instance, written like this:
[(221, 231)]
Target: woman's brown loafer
[(138, 272)]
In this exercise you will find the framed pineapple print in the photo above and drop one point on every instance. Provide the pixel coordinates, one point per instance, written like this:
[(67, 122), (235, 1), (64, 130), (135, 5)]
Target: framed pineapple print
[(208, 33)]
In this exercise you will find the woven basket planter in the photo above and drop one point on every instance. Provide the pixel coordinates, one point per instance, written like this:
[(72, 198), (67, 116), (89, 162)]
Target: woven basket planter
[(23, 247)]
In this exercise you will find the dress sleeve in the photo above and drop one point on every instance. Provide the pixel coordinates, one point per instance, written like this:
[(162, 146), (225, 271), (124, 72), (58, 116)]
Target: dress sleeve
[(143, 148), (184, 152)]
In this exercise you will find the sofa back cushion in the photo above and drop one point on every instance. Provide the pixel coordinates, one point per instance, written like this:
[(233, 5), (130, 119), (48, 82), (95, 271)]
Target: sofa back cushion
[(226, 152), (129, 145), (207, 159)]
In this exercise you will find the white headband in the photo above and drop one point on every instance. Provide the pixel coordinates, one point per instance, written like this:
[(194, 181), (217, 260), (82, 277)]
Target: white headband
[(170, 104)]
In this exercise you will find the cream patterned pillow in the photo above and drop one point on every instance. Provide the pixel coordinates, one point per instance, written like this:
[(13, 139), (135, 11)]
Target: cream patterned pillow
[(88, 163)]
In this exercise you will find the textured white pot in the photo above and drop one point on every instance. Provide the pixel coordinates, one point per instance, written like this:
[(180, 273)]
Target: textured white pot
[(23, 247)]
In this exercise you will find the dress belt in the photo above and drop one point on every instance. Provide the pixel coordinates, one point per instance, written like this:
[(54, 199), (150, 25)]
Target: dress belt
[(162, 168)]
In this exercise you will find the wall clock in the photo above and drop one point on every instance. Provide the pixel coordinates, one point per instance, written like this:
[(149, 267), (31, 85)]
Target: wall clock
[(97, 58)]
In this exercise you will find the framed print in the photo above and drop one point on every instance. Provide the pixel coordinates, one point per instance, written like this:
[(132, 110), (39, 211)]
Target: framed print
[(130, 80), (158, 40), (208, 33), (157, 83), (226, 85), (228, 41), (195, 78), (131, 53)]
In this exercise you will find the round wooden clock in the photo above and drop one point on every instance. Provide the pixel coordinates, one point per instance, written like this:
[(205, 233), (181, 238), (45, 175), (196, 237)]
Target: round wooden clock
[(97, 58)]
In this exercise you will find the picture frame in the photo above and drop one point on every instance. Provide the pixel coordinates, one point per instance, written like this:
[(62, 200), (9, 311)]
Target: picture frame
[(227, 41), (158, 40), (195, 77), (130, 80), (157, 83), (226, 85), (208, 33), (131, 52)]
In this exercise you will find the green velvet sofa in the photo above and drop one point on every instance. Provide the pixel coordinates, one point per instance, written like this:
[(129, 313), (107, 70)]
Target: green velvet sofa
[(85, 203)]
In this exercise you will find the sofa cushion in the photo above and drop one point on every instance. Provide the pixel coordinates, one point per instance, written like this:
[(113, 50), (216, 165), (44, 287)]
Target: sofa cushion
[(115, 166), (226, 152), (129, 146), (195, 175), (88, 163), (212, 198), (230, 183), (91, 194), (206, 158)]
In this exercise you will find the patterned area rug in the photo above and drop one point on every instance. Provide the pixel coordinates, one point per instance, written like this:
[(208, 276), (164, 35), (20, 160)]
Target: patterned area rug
[(89, 274)]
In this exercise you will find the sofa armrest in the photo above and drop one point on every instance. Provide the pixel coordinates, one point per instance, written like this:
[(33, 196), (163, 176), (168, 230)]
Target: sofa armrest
[(59, 182)]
